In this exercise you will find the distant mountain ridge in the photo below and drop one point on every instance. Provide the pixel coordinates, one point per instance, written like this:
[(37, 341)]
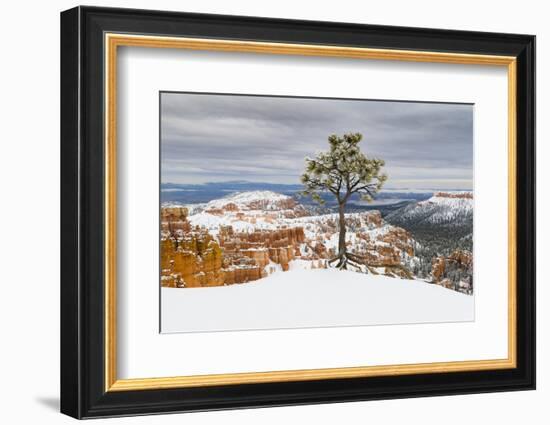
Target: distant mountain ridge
[(443, 208), (187, 194), (442, 224), (206, 192)]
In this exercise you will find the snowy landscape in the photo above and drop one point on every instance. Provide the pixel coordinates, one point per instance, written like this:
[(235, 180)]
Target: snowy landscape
[(259, 259), (299, 299), (283, 212)]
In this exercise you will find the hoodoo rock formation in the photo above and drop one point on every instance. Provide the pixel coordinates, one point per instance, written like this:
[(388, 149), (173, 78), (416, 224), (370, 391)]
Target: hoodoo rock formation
[(454, 271), (248, 236), (192, 256)]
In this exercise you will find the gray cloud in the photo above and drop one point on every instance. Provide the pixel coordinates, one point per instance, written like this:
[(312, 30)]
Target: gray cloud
[(265, 139)]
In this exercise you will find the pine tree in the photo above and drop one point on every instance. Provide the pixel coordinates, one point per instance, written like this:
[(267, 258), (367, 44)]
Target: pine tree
[(343, 170)]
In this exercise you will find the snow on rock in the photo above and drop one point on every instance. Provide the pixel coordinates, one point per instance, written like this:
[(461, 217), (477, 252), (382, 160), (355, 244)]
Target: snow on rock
[(191, 208), (213, 223), (254, 200), (442, 208), (247, 211), (312, 298), (288, 234), (241, 219)]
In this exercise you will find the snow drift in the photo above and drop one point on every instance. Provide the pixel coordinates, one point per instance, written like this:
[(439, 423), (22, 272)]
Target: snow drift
[(311, 298)]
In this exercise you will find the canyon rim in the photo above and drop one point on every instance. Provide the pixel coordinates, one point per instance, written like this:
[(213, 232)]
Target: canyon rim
[(245, 244)]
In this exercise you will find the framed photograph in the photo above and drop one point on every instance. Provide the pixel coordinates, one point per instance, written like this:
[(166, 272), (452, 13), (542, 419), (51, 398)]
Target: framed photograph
[(261, 212)]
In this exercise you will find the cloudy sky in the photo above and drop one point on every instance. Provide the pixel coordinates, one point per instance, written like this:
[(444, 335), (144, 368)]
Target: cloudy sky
[(215, 138)]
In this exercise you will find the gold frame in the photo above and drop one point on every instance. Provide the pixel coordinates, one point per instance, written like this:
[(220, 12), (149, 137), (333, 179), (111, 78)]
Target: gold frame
[(113, 41)]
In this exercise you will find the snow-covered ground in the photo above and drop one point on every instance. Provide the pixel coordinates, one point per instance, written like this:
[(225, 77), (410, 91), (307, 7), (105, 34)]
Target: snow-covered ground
[(311, 298)]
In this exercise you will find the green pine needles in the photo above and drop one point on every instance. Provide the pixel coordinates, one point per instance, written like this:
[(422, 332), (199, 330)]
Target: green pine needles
[(343, 170)]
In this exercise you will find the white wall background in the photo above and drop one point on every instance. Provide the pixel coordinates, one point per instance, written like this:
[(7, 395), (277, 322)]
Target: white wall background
[(29, 213)]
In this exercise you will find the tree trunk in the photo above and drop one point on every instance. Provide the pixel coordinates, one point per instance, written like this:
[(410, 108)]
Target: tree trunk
[(342, 228), (343, 258)]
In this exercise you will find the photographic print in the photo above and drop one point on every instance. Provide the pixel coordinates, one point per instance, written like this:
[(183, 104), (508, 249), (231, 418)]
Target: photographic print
[(292, 212)]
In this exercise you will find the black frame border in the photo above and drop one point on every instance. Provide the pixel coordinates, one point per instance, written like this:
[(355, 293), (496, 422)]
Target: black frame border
[(82, 212)]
